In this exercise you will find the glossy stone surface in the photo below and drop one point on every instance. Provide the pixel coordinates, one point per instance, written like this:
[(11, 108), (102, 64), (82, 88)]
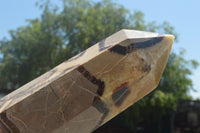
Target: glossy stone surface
[(89, 89)]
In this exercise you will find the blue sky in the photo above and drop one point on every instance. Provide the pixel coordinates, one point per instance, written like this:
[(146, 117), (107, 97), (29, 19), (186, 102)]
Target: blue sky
[(184, 15)]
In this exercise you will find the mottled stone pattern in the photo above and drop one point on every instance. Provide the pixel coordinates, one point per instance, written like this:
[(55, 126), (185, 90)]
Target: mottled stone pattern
[(135, 45), (89, 89), (120, 94)]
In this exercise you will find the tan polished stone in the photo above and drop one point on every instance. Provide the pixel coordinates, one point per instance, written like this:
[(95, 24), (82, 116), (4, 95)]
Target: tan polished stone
[(89, 89)]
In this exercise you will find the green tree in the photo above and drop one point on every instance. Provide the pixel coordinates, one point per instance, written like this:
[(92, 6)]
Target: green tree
[(29, 53), (62, 32)]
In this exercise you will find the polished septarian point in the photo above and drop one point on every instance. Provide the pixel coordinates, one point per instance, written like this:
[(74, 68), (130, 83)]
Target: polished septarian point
[(89, 89)]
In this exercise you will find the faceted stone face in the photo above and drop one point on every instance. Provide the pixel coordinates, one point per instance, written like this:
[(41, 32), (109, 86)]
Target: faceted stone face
[(89, 89)]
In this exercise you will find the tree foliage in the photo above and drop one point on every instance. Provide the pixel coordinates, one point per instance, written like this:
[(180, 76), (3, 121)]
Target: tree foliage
[(62, 32)]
